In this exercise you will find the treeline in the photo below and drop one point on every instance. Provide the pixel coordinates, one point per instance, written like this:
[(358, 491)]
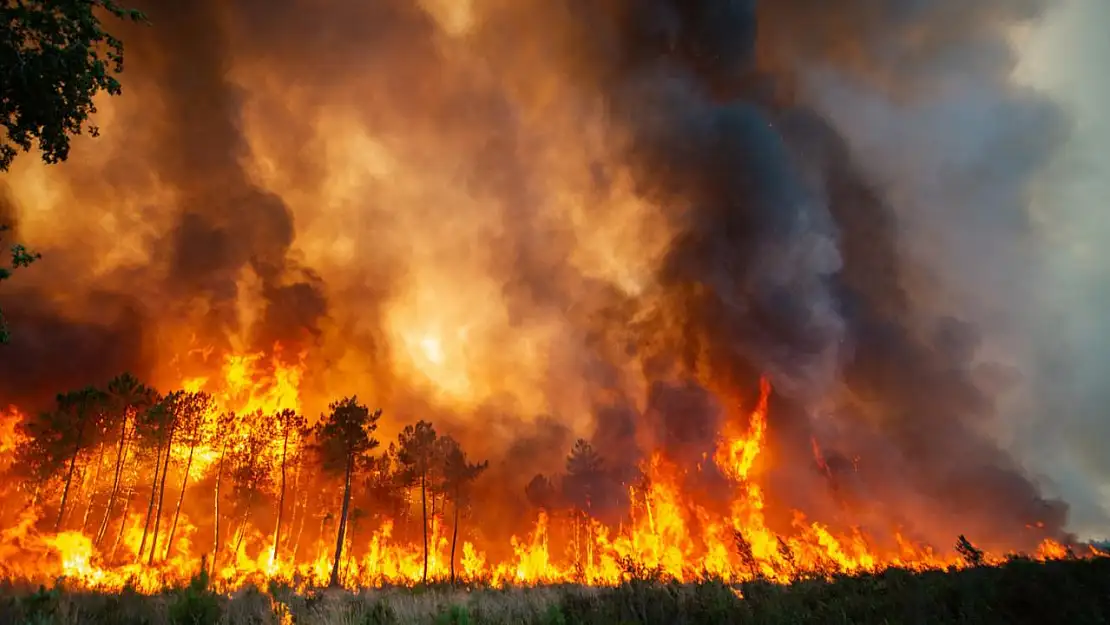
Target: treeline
[(104, 455), (103, 451)]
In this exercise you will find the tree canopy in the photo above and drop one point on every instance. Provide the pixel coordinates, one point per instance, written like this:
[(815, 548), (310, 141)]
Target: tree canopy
[(55, 57), (20, 257)]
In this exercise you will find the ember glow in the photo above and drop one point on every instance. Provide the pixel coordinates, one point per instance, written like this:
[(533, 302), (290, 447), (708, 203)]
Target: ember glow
[(633, 255), (665, 530)]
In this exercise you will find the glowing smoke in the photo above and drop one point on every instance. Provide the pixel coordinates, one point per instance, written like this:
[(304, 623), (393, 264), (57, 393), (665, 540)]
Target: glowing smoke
[(617, 213)]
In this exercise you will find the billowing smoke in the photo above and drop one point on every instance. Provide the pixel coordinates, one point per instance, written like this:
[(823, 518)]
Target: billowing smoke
[(616, 214)]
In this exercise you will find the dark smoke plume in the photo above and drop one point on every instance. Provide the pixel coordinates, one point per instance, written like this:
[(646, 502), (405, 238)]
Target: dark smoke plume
[(787, 261), (227, 223)]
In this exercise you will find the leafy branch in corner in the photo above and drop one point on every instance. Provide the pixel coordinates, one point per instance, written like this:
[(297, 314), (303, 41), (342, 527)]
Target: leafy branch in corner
[(55, 57), (21, 257)]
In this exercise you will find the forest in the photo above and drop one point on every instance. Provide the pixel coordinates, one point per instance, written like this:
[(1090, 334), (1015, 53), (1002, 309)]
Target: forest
[(120, 485), (122, 458), (126, 469)]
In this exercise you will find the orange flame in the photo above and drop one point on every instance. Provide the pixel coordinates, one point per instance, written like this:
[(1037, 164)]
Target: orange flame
[(666, 532)]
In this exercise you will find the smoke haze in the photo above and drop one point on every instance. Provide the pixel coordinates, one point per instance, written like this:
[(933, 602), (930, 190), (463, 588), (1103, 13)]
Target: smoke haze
[(533, 220)]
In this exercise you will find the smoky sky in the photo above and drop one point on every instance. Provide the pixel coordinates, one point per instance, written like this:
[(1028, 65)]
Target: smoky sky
[(845, 193)]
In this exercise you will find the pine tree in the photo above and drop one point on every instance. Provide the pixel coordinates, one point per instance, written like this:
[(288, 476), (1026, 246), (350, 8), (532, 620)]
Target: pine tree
[(458, 474), (416, 452), (290, 428), (127, 399), (344, 439), (195, 411)]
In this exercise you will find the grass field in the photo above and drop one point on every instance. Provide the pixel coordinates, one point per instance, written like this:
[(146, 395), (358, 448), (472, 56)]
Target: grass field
[(1068, 592)]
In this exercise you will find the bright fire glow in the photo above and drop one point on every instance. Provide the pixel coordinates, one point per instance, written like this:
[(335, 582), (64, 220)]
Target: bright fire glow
[(665, 530)]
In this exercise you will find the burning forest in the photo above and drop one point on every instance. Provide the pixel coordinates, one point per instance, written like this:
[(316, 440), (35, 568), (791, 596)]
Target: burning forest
[(524, 292)]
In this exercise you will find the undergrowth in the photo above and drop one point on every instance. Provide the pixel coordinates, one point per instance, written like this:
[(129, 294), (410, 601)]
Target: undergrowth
[(1076, 592)]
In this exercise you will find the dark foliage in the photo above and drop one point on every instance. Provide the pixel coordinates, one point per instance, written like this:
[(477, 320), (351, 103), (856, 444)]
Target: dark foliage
[(55, 57), (1019, 592)]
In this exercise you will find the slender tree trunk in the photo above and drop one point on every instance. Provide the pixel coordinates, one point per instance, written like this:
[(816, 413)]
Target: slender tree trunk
[(300, 528), (348, 558), (294, 513), (454, 535), (161, 498), (92, 490), (121, 453), (150, 506), (241, 533), (36, 494), (181, 497), (216, 531), (69, 477), (281, 497), (424, 516), (123, 520), (342, 522)]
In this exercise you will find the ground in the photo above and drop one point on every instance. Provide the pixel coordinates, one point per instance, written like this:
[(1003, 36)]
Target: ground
[(1068, 592)]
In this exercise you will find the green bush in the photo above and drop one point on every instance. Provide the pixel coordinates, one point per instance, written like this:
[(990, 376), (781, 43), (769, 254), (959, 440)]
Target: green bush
[(196, 604)]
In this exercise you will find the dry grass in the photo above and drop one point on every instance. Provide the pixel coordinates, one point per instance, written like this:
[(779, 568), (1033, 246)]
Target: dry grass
[(1073, 592)]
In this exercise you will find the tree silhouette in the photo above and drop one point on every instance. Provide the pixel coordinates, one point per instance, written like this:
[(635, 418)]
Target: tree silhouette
[(541, 493), (416, 453), (156, 429), (20, 257), (42, 451), (581, 485), (251, 466), (68, 431), (127, 398), (224, 435), (585, 472), (290, 427), (55, 57), (194, 410), (382, 483), (458, 474), (168, 417), (344, 439)]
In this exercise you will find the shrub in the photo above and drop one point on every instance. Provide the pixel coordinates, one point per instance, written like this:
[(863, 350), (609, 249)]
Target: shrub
[(196, 604)]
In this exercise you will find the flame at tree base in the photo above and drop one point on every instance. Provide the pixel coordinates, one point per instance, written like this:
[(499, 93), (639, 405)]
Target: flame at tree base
[(666, 533)]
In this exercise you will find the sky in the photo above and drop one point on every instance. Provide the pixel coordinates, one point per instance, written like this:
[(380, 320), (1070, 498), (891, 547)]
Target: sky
[(1069, 56)]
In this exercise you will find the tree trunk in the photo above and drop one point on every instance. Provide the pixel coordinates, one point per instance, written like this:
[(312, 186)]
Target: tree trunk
[(36, 494), (294, 513), (92, 490), (121, 453), (69, 477), (161, 497), (424, 515), (281, 497), (150, 506), (342, 522), (352, 529), (454, 535), (181, 497), (216, 532), (300, 527), (241, 533), (123, 520)]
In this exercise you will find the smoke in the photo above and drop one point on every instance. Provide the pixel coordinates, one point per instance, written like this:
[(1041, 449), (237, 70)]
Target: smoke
[(618, 213), (1070, 338)]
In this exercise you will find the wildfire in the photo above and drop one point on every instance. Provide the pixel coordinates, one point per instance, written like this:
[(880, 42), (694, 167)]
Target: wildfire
[(248, 501)]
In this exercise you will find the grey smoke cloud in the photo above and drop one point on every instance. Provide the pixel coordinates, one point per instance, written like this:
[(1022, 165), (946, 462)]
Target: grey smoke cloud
[(1064, 439)]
